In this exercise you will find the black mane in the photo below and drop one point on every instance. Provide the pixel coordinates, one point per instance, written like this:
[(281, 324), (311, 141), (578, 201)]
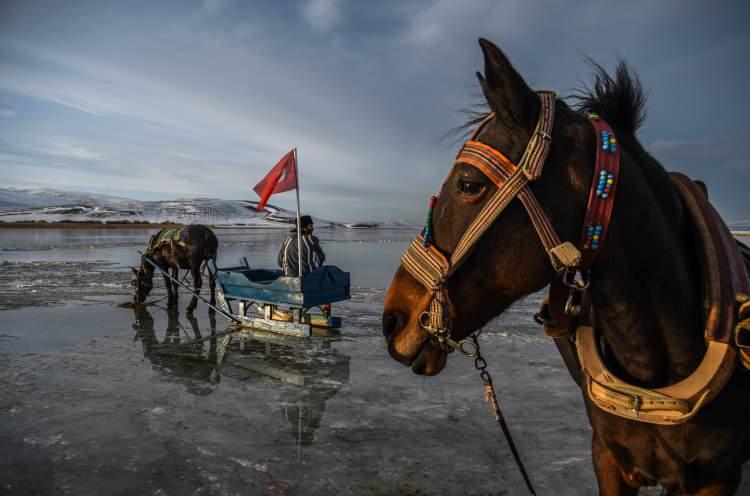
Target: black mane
[(619, 100), (474, 114)]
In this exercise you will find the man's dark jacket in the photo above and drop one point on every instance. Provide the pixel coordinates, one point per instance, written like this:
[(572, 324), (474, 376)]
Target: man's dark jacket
[(312, 255)]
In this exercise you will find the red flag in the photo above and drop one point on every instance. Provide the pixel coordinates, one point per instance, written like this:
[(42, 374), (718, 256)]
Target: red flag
[(283, 177)]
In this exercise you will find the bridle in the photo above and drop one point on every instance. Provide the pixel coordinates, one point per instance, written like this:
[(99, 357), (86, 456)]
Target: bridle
[(428, 265)]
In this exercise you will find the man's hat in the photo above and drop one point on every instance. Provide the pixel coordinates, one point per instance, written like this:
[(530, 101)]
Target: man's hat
[(305, 220)]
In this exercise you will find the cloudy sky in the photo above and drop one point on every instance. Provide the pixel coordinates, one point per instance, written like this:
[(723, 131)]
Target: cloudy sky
[(158, 100)]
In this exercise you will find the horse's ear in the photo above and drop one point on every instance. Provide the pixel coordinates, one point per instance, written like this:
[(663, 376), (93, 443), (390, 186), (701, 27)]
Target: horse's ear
[(505, 90)]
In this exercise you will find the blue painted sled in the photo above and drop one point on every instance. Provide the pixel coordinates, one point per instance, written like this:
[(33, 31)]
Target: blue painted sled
[(259, 292)]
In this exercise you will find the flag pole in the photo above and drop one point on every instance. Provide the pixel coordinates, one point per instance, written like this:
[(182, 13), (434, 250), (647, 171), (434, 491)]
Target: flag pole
[(299, 221)]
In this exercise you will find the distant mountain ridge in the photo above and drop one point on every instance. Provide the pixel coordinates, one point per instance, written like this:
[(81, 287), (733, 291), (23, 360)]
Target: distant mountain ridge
[(49, 205), (740, 225)]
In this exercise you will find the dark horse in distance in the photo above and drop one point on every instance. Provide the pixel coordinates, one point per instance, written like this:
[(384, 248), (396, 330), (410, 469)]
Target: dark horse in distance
[(186, 247), (645, 287)]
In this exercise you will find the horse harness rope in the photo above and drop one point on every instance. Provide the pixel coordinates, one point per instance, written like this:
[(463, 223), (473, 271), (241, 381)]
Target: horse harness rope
[(567, 310)]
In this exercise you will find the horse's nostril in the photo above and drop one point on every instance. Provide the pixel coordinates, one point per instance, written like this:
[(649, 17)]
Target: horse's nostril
[(390, 323)]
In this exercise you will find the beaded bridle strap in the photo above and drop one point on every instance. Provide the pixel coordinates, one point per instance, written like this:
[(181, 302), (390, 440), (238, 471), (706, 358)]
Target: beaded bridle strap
[(565, 296), (431, 268)]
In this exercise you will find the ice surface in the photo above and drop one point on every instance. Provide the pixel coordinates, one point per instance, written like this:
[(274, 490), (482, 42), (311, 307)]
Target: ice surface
[(102, 400)]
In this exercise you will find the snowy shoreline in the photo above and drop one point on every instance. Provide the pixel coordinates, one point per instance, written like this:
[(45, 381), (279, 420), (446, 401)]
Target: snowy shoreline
[(45, 208)]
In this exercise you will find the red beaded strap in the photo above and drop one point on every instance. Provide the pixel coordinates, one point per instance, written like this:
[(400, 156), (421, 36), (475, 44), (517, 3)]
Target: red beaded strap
[(598, 214), (602, 193)]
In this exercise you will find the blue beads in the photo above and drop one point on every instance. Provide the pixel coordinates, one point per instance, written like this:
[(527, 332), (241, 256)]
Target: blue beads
[(604, 184), (609, 142), (593, 234)]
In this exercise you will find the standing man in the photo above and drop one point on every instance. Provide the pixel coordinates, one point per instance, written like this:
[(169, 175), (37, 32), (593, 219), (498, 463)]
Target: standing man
[(312, 255)]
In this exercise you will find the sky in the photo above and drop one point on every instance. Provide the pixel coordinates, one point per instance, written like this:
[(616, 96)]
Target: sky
[(164, 100)]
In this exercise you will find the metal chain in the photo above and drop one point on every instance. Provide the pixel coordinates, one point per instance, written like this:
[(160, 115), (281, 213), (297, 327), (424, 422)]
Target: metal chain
[(489, 390), (489, 395)]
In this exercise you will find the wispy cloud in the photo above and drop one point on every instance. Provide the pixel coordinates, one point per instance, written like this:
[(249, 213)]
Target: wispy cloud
[(5, 112), (660, 147), (323, 15), (74, 151), (728, 150), (216, 6), (185, 156), (204, 99)]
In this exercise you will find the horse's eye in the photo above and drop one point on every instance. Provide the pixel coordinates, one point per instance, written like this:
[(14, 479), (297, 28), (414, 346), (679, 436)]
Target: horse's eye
[(467, 187)]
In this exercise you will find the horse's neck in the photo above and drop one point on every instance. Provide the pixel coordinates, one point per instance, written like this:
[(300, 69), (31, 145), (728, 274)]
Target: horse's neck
[(645, 292)]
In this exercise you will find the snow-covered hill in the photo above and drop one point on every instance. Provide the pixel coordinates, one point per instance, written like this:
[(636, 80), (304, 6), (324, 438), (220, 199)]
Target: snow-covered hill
[(48, 205)]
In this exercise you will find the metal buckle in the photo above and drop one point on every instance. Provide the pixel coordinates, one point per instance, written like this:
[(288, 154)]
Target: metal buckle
[(442, 335), (473, 350), (465, 346), (576, 279), (572, 307), (544, 135), (637, 404)]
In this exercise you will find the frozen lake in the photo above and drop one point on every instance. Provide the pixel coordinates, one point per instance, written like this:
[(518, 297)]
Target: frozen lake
[(100, 400)]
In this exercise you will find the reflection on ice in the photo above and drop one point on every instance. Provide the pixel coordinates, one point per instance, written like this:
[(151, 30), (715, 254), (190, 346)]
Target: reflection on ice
[(312, 370), (193, 364), (309, 371)]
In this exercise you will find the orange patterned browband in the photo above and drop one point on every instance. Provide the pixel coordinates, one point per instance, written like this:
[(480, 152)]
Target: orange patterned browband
[(496, 166)]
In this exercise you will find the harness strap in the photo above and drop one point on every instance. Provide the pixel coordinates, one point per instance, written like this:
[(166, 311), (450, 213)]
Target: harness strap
[(425, 263), (533, 158), (602, 193), (669, 405), (726, 282), (491, 210), (510, 179), (428, 265), (499, 169), (742, 330), (596, 223)]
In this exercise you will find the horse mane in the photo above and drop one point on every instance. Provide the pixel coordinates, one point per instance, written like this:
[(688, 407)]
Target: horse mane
[(474, 113), (619, 100)]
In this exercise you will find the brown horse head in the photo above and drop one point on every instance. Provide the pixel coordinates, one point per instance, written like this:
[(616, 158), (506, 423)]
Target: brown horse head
[(142, 282), (509, 260)]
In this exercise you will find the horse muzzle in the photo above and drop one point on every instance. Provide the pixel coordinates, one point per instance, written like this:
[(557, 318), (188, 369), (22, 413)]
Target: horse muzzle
[(411, 346)]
